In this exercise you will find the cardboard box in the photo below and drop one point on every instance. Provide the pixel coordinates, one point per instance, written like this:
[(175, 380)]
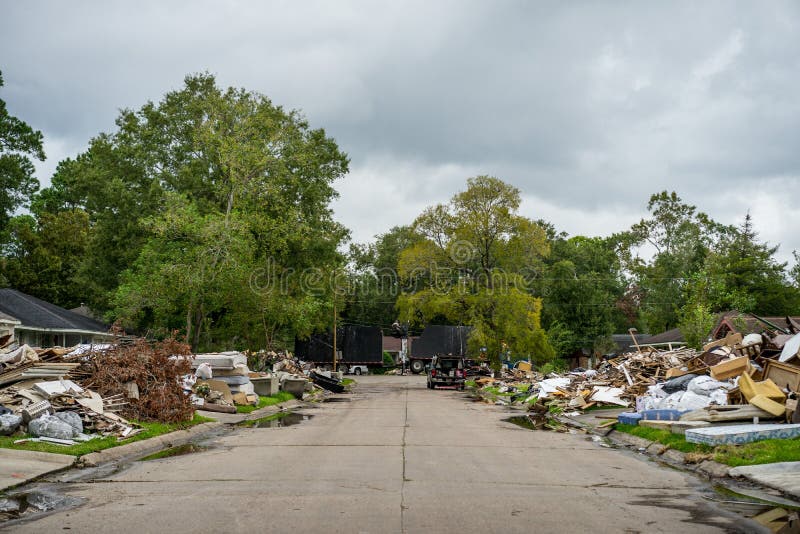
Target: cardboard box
[(731, 368)]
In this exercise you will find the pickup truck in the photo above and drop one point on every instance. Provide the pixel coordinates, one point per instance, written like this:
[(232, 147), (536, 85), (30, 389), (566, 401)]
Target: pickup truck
[(449, 371), (357, 370)]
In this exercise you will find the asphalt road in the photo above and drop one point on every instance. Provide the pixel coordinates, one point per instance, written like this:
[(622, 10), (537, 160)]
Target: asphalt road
[(395, 457)]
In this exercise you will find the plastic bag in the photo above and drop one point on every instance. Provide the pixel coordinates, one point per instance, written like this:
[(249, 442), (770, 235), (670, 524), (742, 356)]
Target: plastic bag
[(50, 427), (677, 384), (692, 401), (204, 371), (72, 419), (670, 402), (704, 385), (9, 423)]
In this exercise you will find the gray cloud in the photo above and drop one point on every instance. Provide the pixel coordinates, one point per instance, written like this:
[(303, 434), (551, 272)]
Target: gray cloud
[(587, 107)]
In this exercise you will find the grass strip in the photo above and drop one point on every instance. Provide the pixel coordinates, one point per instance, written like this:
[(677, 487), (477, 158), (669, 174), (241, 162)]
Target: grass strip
[(279, 397), (759, 452), (98, 444)]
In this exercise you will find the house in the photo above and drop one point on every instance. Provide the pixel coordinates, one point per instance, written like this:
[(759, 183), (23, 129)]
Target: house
[(38, 323), (746, 323), (624, 342), (394, 345), (671, 339), (7, 326)]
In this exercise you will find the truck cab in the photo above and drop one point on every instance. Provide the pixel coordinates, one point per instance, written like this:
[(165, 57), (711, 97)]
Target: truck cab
[(448, 371)]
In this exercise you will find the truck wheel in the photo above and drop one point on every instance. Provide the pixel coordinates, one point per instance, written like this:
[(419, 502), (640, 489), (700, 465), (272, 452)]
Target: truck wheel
[(358, 371), (417, 366)]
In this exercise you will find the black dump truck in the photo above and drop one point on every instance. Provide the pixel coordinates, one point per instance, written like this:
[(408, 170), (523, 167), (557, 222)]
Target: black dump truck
[(356, 345), (438, 340)]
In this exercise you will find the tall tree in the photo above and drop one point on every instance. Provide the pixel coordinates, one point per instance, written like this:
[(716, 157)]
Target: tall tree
[(742, 273), (43, 253), (18, 143), (581, 285), (373, 281), (209, 196), (679, 239), (470, 269)]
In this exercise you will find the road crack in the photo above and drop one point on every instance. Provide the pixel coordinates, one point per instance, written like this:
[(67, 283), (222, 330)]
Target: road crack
[(403, 449)]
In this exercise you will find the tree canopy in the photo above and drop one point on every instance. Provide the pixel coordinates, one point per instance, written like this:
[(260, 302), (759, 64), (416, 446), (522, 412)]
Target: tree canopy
[(18, 143)]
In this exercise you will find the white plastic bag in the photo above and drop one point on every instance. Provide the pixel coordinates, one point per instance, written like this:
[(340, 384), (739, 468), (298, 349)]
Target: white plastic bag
[(204, 371), (704, 385)]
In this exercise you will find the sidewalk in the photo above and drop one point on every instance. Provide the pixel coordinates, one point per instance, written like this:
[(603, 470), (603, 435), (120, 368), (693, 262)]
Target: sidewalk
[(18, 467), (783, 476)]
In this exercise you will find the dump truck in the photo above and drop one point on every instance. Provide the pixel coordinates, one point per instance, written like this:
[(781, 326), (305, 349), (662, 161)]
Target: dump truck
[(355, 346), (441, 340)]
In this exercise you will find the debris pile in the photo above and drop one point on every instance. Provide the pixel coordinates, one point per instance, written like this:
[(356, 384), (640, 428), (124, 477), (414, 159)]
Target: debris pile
[(736, 378), (69, 395)]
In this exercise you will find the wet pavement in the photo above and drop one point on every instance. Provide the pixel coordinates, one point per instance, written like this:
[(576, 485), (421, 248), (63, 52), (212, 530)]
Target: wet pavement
[(393, 457)]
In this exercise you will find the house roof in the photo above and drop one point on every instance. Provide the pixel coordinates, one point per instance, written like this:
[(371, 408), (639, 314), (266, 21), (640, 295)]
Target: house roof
[(670, 336), (7, 319), (624, 342), (40, 315), (746, 324)]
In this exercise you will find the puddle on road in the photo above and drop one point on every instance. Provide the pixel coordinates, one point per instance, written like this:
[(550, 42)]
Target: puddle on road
[(25, 504), (180, 450), (277, 420), (337, 399), (521, 420)]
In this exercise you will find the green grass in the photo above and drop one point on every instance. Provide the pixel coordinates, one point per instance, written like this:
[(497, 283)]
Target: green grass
[(471, 384), (279, 397), (99, 444), (760, 452), (348, 381), (495, 390), (665, 437)]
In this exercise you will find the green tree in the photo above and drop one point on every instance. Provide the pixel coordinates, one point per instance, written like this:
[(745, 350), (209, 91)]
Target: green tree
[(470, 269), (18, 143), (696, 323), (680, 238), (43, 253), (742, 273), (372, 275), (201, 206), (581, 285)]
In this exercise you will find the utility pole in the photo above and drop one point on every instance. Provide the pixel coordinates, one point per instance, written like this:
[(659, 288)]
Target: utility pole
[(334, 333)]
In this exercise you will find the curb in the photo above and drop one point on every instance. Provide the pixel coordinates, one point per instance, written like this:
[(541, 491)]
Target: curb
[(708, 468), (146, 446), (175, 438)]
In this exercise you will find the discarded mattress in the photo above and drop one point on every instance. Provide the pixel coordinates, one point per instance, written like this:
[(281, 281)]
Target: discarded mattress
[(738, 434), (629, 418), (662, 415), (220, 360)]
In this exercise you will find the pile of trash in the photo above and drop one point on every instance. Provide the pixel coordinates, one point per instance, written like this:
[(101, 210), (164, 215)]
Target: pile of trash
[(732, 379), (41, 395), (67, 395)]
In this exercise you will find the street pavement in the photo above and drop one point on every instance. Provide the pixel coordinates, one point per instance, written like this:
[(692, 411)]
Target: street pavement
[(396, 457)]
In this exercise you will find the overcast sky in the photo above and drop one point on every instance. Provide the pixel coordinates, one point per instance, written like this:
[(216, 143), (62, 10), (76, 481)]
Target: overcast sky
[(588, 108)]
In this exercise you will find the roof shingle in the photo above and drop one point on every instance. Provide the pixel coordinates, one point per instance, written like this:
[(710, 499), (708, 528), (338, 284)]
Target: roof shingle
[(36, 313)]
